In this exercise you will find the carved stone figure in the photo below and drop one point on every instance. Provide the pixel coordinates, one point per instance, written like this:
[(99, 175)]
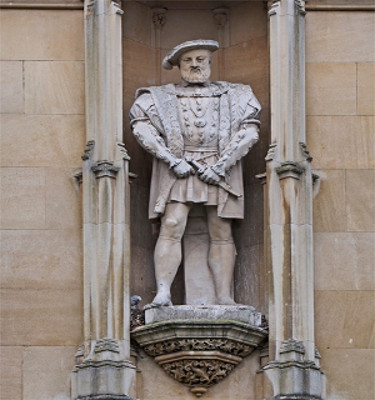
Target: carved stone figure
[(198, 131)]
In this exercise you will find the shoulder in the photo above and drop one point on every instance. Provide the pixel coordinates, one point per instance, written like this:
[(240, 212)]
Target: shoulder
[(238, 88)]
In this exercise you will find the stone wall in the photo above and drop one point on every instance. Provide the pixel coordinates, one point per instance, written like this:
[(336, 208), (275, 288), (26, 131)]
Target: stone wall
[(340, 136), (42, 139)]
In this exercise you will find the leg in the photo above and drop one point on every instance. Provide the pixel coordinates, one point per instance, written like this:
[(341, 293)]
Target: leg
[(168, 252), (221, 256)]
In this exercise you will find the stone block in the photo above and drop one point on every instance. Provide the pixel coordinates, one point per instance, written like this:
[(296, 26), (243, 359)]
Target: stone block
[(344, 261), (234, 313), (63, 199), (350, 373), (343, 319), (360, 204), (42, 140), (11, 87), (366, 89), (248, 20), (339, 36), (41, 317), (22, 198), (32, 35), (41, 259), (331, 89), (46, 372), (341, 142), (54, 87), (11, 373), (329, 207)]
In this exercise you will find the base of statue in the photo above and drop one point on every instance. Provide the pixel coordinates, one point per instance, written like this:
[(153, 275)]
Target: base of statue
[(200, 345)]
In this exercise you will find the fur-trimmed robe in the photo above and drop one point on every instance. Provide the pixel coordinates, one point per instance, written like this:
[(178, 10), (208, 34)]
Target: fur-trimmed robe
[(157, 106)]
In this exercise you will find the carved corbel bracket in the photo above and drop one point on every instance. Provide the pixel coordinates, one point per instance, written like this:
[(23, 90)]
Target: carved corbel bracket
[(198, 352), (159, 16), (220, 17)]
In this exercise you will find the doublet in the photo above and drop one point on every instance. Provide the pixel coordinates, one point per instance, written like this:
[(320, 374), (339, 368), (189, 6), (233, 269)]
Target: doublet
[(205, 122)]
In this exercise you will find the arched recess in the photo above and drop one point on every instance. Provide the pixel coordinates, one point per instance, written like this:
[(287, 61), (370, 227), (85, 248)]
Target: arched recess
[(150, 30)]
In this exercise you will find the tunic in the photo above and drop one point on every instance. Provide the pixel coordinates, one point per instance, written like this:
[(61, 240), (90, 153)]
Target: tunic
[(206, 122)]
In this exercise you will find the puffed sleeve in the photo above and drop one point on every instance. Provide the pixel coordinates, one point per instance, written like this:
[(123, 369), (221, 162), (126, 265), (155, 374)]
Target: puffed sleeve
[(144, 123)]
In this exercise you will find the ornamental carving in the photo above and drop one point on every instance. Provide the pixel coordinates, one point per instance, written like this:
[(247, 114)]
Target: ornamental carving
[(224, 345), (198, 353), (198, 374)]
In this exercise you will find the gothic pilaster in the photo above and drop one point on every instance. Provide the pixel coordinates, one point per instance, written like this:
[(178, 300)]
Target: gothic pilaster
[(103, 366), (292, 370)]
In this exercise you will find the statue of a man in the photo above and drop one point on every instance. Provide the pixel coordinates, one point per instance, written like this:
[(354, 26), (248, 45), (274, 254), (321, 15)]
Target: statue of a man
[(197, 131)]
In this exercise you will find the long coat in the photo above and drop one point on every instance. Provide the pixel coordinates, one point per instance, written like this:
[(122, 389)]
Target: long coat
[(157, 106)]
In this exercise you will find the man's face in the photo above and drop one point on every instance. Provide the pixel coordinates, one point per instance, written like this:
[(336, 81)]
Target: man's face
[(195, 66)]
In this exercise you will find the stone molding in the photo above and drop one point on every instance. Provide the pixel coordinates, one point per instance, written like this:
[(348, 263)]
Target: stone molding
[(103, 169), (220, 16)]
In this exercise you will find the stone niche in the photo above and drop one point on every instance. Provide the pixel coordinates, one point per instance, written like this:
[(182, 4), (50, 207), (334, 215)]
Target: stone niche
[(148, 34), (150, 30)]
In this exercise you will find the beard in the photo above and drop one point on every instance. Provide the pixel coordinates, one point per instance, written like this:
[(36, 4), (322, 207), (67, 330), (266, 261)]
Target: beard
[(196, 75)]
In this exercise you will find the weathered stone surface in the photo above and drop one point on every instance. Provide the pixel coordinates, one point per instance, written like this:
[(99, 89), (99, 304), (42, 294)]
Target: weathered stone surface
[(339, 36), (350, 373), (11, 87), (11, 373), (360, 204), (46, 372), (22, 198), (331, 89), (329, 205), (235, 313), (42, 140), (344, 260), (46, 42), (41, 259), (54, 87), (41, 317), (341, 142), (347, 312), (63, 199), (366, 89)]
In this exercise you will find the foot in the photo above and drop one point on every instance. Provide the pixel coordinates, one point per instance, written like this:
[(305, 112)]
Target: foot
[(226, 301), (161, 299)]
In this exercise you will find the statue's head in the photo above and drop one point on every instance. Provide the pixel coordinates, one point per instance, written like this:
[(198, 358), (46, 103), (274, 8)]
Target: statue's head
[(193, 58)]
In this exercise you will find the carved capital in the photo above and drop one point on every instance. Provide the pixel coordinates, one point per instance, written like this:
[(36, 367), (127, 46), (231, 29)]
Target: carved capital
[(220, 17), (289, 169), (105, 169), (290, 345), (106, 344), (159, 16)]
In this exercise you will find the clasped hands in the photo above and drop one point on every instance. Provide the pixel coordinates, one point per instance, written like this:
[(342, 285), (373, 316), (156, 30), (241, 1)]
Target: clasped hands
[(183, 169)]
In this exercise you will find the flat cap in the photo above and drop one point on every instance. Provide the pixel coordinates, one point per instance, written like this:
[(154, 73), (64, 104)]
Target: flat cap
[(173, 57)]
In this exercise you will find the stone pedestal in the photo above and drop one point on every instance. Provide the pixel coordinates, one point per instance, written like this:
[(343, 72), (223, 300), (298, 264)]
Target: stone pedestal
[(200, 345)]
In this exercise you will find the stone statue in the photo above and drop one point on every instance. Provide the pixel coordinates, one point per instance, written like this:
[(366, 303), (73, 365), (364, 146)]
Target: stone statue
[(197, 132)]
